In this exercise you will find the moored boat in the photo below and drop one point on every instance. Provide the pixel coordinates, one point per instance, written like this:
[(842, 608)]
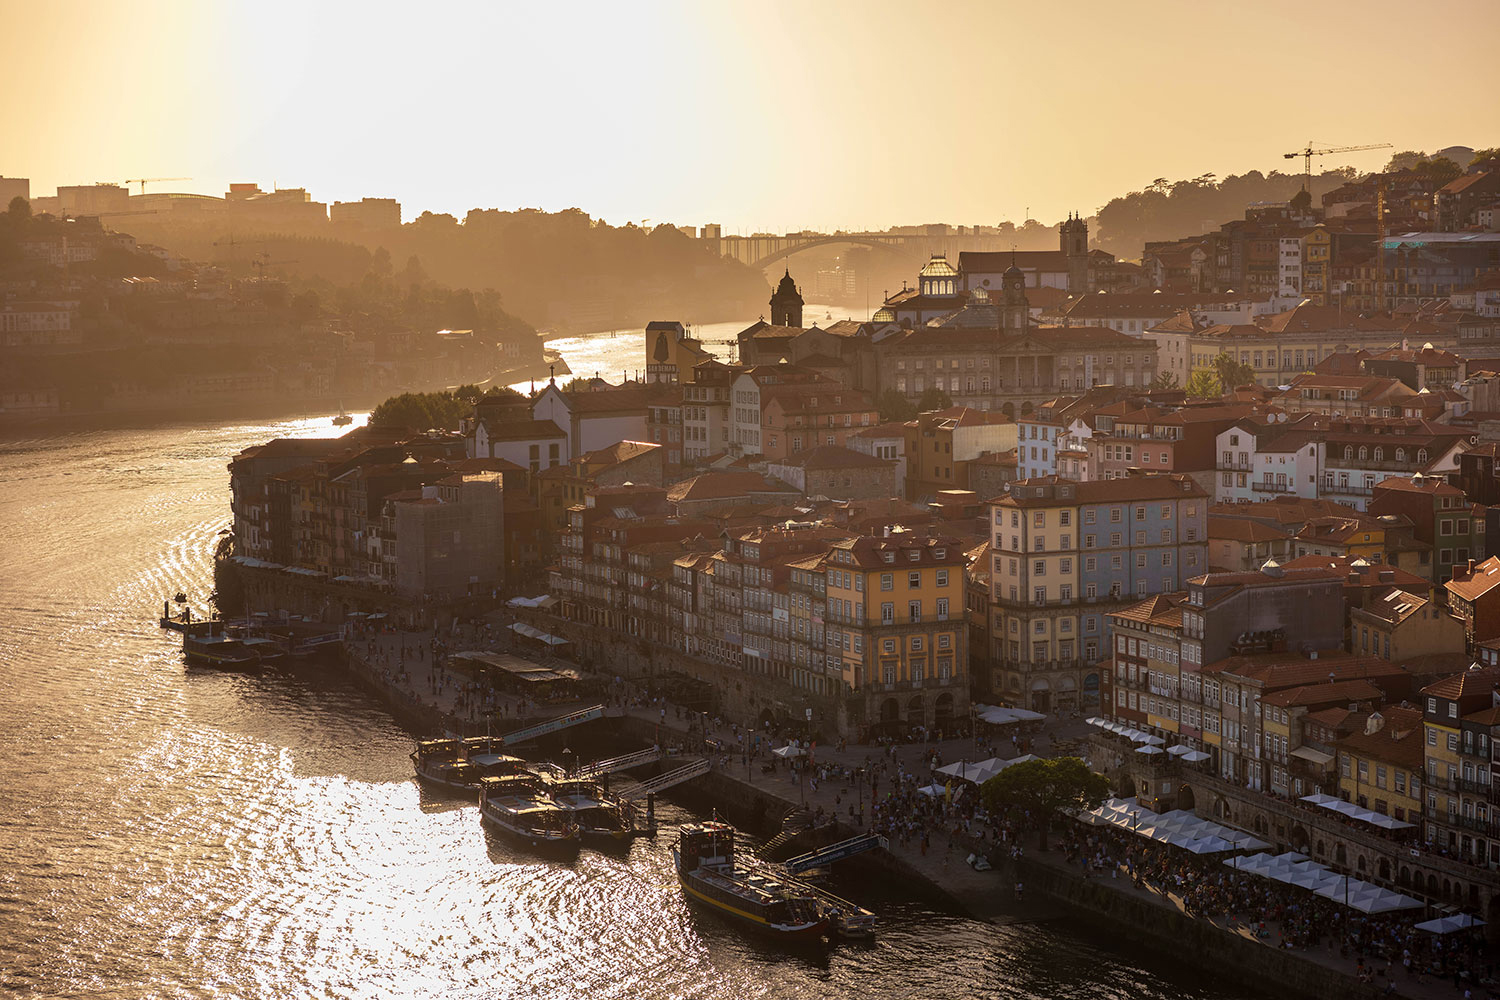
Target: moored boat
[(343, 419), (519, 807), (598, 815), (706, 867), (460, 764), (218, 650)]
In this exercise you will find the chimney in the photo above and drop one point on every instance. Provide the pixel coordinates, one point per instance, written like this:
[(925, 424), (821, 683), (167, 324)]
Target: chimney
[(1374, 723), (1471, 567), (1387, 576)]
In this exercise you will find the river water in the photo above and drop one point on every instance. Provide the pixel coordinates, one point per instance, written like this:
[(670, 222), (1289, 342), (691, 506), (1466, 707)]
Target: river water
[(171, 832)]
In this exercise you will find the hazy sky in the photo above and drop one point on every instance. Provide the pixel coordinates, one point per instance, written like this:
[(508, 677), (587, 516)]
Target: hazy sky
[(758, 115)]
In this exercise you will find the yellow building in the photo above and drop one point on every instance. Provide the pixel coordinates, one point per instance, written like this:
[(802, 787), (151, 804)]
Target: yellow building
[(1351, 537), (897, 629), (1317, 264), (1381, 768), (1398, 625), (1458, 716)]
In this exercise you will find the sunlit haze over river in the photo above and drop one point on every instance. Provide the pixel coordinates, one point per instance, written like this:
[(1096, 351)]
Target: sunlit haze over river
[(173, 832)]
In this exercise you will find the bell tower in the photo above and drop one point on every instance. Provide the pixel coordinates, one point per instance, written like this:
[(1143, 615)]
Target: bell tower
[(1014, 309), (786, 303), (1073, 240)]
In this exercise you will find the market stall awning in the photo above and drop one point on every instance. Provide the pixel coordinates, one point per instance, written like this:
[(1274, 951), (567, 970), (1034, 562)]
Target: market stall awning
[(1311, 754)]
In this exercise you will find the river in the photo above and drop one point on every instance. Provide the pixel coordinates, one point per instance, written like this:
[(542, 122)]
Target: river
[(172, 832)]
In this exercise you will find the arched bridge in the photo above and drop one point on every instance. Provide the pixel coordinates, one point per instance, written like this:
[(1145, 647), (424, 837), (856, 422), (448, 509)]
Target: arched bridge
[(763, 251)]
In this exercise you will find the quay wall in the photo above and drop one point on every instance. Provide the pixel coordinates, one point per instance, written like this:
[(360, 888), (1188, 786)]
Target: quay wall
[(1210, 948), (1095, 901)]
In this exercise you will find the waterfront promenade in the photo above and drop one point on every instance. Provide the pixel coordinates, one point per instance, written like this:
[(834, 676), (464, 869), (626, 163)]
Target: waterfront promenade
[(932, 854)]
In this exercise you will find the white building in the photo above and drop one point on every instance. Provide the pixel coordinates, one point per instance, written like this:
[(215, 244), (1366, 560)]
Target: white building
[(1289, 281)]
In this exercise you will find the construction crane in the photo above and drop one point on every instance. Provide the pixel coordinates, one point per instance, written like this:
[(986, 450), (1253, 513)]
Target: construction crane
[(143, 180), (1308, 153)]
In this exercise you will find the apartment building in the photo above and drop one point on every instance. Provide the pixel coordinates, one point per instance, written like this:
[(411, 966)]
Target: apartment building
[(1065, 554), (897, 628)]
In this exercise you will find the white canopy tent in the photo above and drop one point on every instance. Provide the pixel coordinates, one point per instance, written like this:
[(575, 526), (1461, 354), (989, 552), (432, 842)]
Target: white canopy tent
[(1354, 812), (932, 791), (789, 751), (1000, 716), (1448, 925)]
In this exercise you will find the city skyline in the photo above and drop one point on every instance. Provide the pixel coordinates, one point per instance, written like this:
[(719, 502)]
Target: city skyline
[(762, 117)]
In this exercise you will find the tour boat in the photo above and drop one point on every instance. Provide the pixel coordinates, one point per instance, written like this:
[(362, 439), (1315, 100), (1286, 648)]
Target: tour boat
[(460, 764), (598, 815), (218, 650), (519, 807), (343, 419), (704, 858)]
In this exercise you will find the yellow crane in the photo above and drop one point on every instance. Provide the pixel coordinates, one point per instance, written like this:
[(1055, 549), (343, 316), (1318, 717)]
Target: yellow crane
[(1308, 153), (142, 181)]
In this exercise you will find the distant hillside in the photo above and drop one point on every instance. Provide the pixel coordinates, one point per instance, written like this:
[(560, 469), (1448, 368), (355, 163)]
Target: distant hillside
[(559, 269), (1168, 210)]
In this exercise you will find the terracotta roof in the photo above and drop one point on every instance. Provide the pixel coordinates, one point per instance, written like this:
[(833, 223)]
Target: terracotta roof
[(832, 456), (1392, 606), (1162, 486), (725, 485), (1236, 529), (1320, 694), (1464, 684), (1472, 586), (1399, 741), (521, 430)]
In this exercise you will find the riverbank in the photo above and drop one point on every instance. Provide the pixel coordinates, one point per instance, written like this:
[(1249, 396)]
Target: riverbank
[(392, 667)]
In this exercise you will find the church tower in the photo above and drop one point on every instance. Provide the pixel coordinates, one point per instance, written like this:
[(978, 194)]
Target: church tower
[(786, 304), (1073, 239), (1014, 309)]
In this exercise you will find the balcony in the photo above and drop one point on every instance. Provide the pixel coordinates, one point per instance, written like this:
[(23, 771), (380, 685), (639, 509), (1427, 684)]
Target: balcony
[(1236, 465), (1265, 487), (1347, 489)]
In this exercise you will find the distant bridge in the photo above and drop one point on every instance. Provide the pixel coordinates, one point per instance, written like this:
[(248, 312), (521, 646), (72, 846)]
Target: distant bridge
[(763, 251)]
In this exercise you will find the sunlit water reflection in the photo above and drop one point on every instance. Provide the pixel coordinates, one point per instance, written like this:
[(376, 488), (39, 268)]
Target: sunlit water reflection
[(167, 832)]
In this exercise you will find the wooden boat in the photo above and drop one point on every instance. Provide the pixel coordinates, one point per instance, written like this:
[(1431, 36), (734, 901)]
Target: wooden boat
[(459, 765), (343, 419), (706, 867), (519, 807), (218, 650), (598, 815)]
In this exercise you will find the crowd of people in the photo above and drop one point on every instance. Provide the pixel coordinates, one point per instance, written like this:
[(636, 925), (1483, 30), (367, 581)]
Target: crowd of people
[(1387, 949)]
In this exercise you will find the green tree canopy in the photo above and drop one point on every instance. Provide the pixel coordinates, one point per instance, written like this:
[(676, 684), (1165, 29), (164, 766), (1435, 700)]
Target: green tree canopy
[(1203, 384), (1164, 380), (893, 405), (933, 399), (1232, 374), (1041, 787), (426, 410)]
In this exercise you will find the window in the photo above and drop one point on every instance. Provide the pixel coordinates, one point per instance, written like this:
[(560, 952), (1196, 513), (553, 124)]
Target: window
[(914, 610), (942, 578), (914, 580), (887, 581)]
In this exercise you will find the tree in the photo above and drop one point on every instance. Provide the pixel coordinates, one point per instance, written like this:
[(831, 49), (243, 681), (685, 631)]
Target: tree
[(893, 405), (1164, 381), (1440, 169), (1203, 384), (1480, 155), (1041, 787), (1232, 374), (933, 399), (19, 209), (1302, 200)]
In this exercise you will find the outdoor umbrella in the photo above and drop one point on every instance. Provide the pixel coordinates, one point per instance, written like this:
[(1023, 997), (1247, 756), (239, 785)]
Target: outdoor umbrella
[(1148, 749), (1178, 750)]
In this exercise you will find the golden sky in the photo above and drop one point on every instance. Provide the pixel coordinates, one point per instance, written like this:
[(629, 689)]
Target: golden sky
[(762, 115)]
